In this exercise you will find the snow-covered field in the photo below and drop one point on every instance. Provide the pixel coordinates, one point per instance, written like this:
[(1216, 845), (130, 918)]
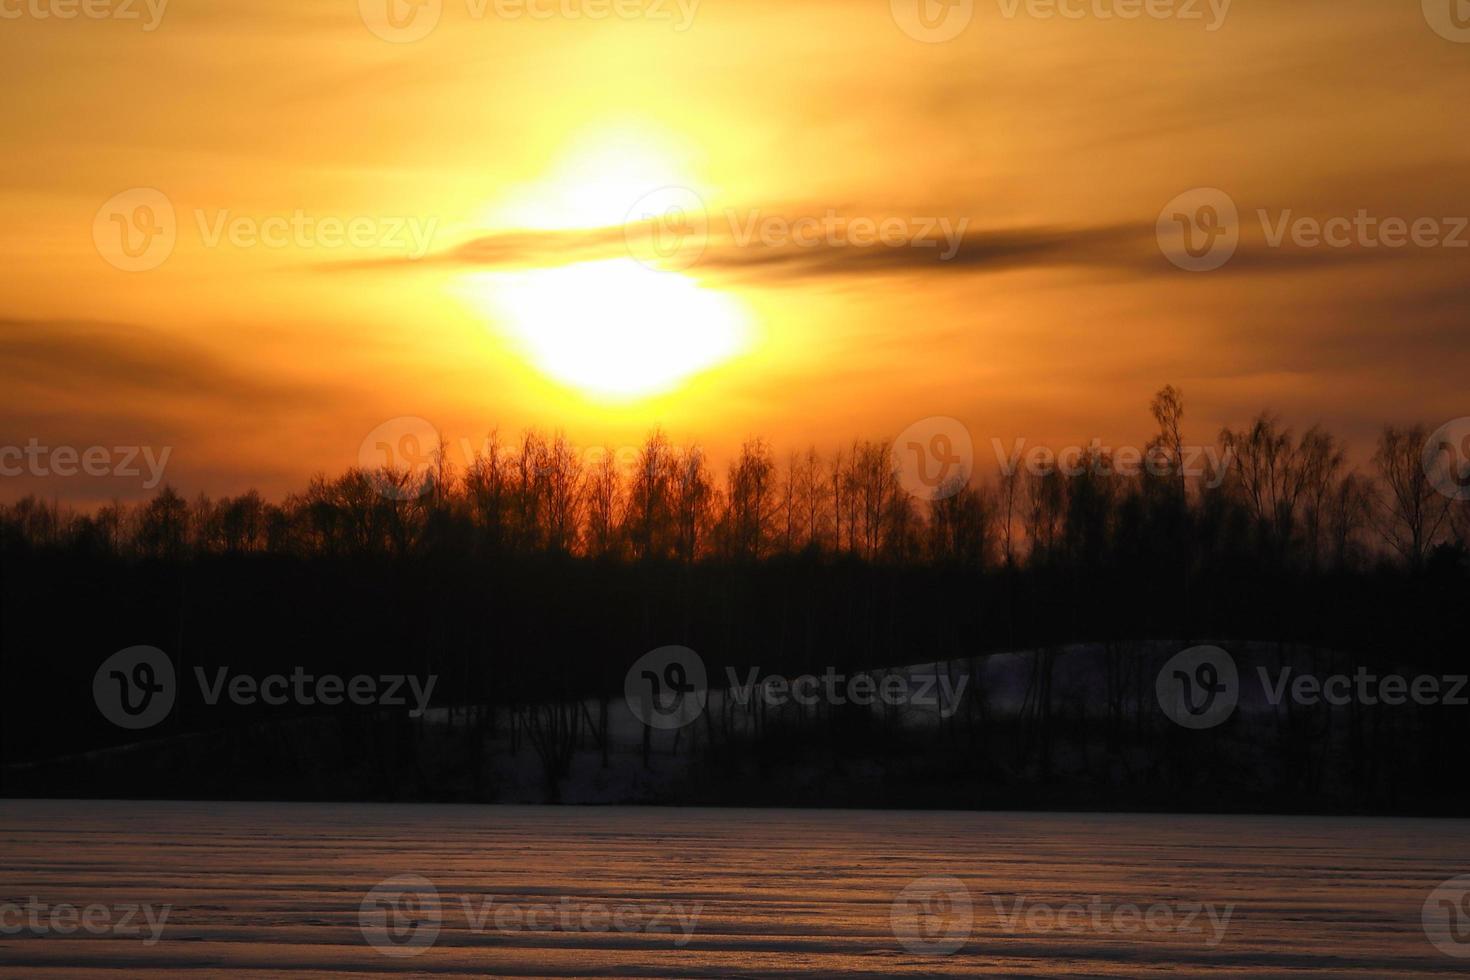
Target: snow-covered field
[(311, 890)]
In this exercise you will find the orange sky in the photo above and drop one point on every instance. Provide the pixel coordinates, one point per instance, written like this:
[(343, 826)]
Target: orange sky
[(365, 229)]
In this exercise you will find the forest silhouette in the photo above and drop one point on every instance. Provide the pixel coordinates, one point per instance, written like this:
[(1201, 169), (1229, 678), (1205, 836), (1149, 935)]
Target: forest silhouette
[(531, 578)]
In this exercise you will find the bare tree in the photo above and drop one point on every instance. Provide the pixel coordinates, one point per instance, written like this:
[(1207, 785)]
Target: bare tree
[(1044, 506), (488, 490), (1167, 407), (1349, 510), (873, 486), (750, 498), (526, 520), (811, 498), (1322, 462), (243, 522), (441, 473), (1414, 512), (1460, 524), (1007, 492), (163, 524), (650, 508), (961, 527), (788, 506), (693, 494), (1091, 492), (604, 507), (1272, 473), (559, 471)]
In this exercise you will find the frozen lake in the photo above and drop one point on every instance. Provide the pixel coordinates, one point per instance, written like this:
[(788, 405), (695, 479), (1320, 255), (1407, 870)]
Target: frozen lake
[(115, 888)]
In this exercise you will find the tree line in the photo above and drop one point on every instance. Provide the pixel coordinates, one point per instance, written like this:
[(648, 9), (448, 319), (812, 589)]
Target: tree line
[(1277, 496)]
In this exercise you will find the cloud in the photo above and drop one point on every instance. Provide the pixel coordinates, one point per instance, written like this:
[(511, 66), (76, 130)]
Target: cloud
[(76, 383), (113, 363), (764, 246)]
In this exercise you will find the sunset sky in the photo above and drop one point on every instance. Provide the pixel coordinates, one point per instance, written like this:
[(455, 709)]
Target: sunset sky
[(491, 165)]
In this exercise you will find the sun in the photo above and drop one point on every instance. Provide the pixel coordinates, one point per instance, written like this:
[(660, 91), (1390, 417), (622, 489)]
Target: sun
[(615, 329)]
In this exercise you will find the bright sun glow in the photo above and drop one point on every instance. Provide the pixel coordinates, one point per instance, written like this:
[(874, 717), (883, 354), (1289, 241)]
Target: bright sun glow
[(594, 183), (615, 329)]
